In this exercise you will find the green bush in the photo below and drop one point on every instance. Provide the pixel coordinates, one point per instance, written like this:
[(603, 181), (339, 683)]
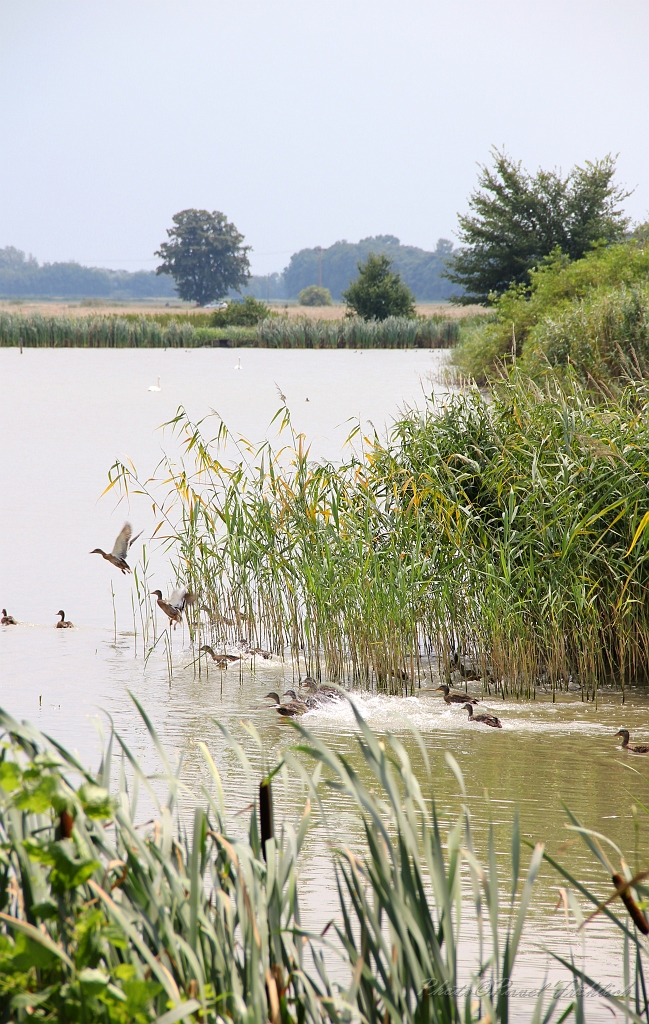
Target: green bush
[(240, 314), (553, 288), (378, 292), (603, 338), (315, 296)]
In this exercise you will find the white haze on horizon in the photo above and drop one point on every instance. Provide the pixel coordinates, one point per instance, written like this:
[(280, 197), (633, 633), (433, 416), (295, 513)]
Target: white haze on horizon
[(303, 122)]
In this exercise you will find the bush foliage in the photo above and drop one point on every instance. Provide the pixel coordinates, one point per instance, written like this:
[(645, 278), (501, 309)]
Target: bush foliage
[(378, 292), (554, 288), (315, 296)]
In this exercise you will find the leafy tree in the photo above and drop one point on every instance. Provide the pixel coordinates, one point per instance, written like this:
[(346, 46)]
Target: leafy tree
[(378, 292), (315, 296), (204, 255), (518, 219)]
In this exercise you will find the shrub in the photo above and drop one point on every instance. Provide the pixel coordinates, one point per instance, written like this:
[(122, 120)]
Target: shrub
[(315, 296), (604, 338), (378, 292), (247, 313), (553, 288)]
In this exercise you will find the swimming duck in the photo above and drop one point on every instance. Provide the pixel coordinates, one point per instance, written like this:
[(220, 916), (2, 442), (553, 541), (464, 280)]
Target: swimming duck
[(491, 720), (7, 620), (63, 624), (291, 708), (176, 604), (624, 733), (223, 660), (321, 694), (456, 698), (117, 556)]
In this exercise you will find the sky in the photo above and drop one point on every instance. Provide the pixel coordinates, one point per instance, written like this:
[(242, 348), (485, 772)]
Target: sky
[(304, 121)]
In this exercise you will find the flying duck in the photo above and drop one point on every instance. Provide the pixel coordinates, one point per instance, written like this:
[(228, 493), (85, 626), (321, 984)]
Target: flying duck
[(117, 556), (176, 604)]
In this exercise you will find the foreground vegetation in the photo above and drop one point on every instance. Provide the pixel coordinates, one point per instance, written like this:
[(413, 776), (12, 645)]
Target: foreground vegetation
[(103, 921), (509, 529), (167, 330)]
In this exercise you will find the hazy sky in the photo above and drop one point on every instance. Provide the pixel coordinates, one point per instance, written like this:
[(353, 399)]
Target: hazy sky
[(305, 121)]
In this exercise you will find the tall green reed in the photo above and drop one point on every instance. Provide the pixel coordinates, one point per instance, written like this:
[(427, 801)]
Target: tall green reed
[(173, 331), (507, 529), (107, 918)]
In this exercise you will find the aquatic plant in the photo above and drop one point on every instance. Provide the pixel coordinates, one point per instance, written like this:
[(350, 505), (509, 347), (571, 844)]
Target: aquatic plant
[(174, 330), (508, 530), (354, 332), (102, 920)]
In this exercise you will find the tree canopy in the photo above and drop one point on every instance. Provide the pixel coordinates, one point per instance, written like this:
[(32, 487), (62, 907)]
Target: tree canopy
[(518, 219), (378, 292), (204, 255)]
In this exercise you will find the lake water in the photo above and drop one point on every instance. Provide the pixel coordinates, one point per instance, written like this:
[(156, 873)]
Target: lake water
[(66, 416)]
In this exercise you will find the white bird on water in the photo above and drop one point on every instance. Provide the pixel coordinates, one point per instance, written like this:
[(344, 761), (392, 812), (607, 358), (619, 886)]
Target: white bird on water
[(155, 387), (239, 366)]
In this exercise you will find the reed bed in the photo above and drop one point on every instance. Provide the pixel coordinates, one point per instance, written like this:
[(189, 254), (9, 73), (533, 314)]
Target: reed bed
[(394, 332), (505, 531), (187, 331), (104, 918), (112, 332)]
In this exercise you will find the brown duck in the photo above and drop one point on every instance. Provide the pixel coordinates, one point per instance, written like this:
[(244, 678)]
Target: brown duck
[(456, 698), (222, 660), (320, 694), (7, 620), (63, 624), (176, 604), (290, 708), (624, 733), (486, 719), (117, 556)]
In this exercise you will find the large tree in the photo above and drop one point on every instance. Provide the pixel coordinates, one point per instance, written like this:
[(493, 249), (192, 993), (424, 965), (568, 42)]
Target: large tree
[(204, 255), (378, 292), (517, 219)]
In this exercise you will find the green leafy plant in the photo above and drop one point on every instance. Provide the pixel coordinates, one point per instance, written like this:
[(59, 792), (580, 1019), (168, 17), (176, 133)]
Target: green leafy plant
[(378, 292), (555, 288)]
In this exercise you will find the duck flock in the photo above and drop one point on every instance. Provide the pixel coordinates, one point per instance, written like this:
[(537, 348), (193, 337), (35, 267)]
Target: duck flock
[(292, 704)]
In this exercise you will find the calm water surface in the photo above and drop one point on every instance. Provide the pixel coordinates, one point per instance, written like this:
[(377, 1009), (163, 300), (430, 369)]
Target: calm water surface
[(66, 416)]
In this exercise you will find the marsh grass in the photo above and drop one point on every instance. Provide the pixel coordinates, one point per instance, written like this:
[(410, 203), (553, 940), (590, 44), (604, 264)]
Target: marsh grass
[(104, 918), (508, 530), (170, 330)]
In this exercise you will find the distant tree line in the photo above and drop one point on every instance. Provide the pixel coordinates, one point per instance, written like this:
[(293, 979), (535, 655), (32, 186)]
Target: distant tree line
[(337, 266), (22, 276)]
